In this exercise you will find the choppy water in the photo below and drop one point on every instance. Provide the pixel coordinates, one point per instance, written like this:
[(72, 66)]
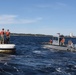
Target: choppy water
[(32, 59)]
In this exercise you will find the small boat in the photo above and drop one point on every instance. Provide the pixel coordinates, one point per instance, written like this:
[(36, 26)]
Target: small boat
[(56, 45), (7, 48)]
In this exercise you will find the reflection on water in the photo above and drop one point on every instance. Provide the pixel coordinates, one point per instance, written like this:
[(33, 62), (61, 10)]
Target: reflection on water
[(32, 59)]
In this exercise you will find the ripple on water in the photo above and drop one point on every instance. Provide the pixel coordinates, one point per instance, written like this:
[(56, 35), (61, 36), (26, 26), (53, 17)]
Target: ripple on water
[(32, 59)]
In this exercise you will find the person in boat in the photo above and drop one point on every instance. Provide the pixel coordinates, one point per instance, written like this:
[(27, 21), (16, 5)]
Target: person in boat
[(7, 36), (70, 44), (51, 41), (62, 41), (2, 36)]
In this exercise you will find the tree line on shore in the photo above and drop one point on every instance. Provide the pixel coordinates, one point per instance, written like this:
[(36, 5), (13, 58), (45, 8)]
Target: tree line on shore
[(38, 35)]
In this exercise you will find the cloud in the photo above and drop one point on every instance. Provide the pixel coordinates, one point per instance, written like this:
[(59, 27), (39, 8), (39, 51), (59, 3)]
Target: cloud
[(44, 6), (56, 5), (61, 4), (14, 19)]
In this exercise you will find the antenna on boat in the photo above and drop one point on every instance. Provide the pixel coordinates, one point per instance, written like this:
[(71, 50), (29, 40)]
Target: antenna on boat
[(58, 34), (58, 38)]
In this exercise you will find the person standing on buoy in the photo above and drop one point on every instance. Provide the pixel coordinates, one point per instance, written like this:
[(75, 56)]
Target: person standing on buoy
[(2, 36), (7, 36)]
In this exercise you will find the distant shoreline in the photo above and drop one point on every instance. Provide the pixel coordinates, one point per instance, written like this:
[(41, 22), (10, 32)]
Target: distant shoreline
[(22, 34), (36, 35)]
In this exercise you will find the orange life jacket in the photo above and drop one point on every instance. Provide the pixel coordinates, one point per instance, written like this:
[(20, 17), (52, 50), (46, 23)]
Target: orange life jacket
[(50, 41), (63, 40), (7, 33), (2, 32)]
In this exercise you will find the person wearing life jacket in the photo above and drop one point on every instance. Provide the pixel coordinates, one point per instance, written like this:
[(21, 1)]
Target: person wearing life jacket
[(70, 44), (2, 36), (51, 41), (62, 41), (7, 36)]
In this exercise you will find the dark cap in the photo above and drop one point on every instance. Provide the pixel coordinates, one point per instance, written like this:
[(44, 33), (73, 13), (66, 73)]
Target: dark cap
[(2, 28), (7, 29)]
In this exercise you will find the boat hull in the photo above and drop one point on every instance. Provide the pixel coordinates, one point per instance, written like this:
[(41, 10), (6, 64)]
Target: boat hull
[(7, 48), (58, 47)]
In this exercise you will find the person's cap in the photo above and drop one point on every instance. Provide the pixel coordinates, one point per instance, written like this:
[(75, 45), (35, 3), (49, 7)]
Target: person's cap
[(2, 28), (7, 29)]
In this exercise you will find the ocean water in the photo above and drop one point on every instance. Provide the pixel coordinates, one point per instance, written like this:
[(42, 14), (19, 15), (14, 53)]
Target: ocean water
[(32, 59)]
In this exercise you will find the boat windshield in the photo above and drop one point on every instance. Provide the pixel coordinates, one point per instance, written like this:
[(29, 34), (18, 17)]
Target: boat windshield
[(55, 41), (55, 38)]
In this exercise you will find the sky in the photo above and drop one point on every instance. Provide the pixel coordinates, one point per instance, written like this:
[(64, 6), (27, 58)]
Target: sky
[(47, 17)]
